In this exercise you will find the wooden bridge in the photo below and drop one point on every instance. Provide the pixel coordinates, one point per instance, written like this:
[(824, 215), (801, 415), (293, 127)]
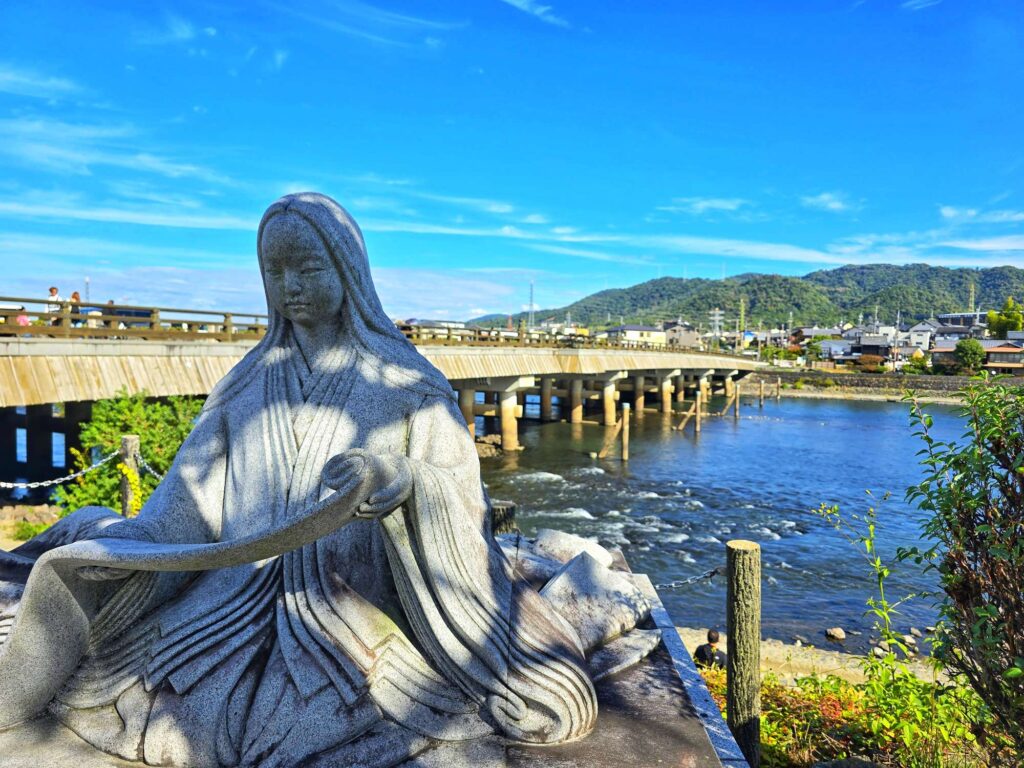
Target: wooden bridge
[(73, 359)]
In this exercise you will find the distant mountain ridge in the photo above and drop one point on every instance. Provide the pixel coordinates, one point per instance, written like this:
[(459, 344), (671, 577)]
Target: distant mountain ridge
[(827, 296)]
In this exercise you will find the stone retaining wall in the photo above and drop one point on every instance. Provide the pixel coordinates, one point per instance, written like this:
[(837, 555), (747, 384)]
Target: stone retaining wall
[(881, 382)]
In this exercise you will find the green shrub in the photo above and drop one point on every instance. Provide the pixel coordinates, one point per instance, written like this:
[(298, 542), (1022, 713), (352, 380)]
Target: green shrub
[(24, 530), (798, 384), (828, 383), (162, 426), (973, 498)]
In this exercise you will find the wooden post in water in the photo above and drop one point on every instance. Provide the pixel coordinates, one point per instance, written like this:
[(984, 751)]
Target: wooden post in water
[(545, 398), (130, 446), (761, 393), (467, 404), (778, 388), (736, 400), (625, 431), (743, 625), (576, 401), (700, 410)]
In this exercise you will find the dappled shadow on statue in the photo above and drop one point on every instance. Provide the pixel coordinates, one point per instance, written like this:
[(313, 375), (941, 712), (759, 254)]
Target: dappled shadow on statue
[(314, 580)]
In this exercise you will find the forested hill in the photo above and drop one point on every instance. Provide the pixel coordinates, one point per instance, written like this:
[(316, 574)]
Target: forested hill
[(827, 296)]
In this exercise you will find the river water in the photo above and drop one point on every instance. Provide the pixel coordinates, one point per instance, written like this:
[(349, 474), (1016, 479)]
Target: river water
[(760, 478)]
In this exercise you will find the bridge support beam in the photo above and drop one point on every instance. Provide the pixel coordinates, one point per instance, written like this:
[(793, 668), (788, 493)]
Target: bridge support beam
[(639, 394), (608, 397), (666, 394), (680, 388), (576, 401), (467, 404), (509, 422), (546, 387)]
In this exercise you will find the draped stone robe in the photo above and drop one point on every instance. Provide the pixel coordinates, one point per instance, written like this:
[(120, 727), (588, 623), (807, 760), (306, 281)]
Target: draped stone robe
[(366, 646)]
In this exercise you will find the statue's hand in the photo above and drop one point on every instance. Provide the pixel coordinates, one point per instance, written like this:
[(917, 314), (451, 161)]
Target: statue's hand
[(391, 479), (103, 573)]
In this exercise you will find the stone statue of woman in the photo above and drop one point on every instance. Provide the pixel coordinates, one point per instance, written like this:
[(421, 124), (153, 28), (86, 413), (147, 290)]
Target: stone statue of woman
[(365, 645)]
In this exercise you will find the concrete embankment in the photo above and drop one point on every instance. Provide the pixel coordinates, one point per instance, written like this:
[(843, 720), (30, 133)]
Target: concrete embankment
[(838, 385)]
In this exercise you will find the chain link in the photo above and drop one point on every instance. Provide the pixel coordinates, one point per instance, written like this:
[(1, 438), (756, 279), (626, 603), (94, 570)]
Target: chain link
[(60, 480), (707, 575), (147, 468)]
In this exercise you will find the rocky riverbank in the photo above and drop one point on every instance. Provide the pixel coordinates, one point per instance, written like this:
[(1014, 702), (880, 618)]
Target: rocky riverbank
[(788, 661)]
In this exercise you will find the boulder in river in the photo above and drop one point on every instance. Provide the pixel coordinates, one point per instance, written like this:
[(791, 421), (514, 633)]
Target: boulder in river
[(835, 634)]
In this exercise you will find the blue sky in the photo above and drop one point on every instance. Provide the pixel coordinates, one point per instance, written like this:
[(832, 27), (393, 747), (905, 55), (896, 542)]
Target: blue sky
[(484, 144)]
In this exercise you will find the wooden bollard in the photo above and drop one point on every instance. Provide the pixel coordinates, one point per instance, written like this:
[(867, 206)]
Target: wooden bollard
[(625, 431), (736, 400), (778, 387), (130, 446), (699, 411), (743, 667), (761, 393)]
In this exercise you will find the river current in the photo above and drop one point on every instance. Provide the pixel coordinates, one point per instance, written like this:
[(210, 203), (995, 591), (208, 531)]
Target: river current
[(762, 478)]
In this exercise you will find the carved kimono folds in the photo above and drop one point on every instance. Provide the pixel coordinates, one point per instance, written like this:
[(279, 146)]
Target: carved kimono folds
[(381, 637)]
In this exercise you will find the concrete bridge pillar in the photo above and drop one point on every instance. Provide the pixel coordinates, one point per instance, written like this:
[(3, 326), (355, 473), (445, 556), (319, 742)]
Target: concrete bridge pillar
[(608, 401), (467, 404), (509, 422), (639, 393), (680, 388), (727, 383), (576, 401), (546, 385), (666, 394)]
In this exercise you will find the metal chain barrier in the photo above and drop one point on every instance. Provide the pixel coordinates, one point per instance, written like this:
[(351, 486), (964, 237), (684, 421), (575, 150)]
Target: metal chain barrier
[(147, 468), (61, 480), (707, 575)]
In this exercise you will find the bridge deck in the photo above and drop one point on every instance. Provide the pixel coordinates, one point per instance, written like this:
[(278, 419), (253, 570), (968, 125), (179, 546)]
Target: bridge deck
[(38, 371)]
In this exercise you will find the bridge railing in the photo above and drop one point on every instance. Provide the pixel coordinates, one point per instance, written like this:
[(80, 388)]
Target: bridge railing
[(47, 318), (65, 319)]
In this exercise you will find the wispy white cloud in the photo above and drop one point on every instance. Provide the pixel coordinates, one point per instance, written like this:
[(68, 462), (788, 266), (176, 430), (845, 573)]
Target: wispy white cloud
[(543, 12), (148, 217), (998, 243), (278, 59), (173, 30), (586, 253), (482, 204), (833, 202), (699, 206), (975, 216), (374, 15), (72, 148), (457, 295), (918, 5), (25, 82), (535, 218)]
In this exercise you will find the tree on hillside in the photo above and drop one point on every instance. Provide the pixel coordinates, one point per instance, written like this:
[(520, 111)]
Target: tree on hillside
[(162, 426), (970, 356), (1009, 318)]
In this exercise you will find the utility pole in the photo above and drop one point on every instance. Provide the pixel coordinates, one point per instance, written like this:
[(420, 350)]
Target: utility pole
[(531, 317), (742, 324), (970, 286)]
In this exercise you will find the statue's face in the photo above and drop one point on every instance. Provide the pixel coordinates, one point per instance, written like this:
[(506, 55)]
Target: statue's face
[(302, 282)]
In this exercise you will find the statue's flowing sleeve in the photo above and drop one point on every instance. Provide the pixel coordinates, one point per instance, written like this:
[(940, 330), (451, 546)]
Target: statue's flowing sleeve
[(483, 627)]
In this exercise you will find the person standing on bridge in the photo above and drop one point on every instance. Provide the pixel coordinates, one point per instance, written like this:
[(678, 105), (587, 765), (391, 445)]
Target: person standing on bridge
[(54, 304)]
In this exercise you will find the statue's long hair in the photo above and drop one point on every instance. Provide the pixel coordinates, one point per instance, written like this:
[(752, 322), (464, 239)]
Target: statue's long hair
[(365, 326)]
